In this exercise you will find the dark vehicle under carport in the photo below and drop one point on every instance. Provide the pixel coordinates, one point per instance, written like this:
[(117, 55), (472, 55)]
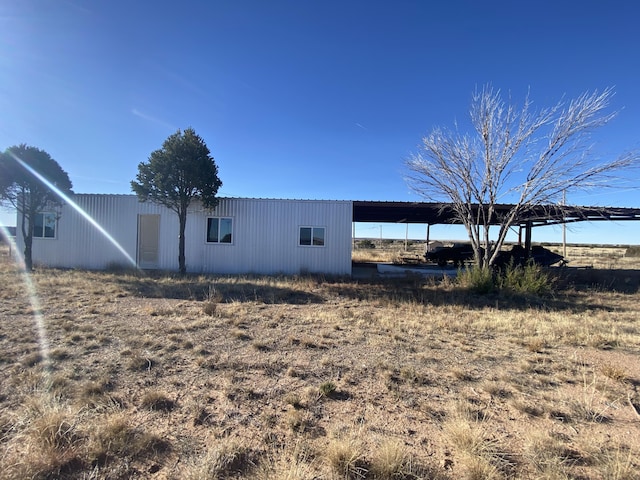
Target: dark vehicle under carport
[(458, 255), (461, 253)]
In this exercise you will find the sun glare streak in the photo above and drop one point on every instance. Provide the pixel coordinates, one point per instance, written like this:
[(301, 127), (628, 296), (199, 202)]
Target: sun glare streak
[(78, 209), (43, 341)]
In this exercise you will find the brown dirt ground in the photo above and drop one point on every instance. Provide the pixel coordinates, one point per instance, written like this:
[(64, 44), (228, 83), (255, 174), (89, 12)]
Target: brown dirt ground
[(242, 362)]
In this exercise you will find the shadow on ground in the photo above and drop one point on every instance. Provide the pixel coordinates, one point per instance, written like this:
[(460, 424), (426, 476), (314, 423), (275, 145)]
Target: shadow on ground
[(205, 288), (570, 292), (570, 286)]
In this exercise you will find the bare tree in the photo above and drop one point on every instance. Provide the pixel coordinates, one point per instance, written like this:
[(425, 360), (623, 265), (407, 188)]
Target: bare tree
[(516, 155)]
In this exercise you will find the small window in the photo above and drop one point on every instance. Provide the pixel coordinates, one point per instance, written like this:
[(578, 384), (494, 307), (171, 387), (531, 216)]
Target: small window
[(312, 236), (219, 230), (44, 225)]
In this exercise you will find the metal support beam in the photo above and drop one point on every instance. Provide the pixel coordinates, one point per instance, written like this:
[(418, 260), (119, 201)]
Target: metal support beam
[(427, 247), (527, 239)]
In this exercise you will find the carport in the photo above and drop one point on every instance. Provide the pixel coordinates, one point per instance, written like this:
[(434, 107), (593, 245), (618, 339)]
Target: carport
[(443, 213)]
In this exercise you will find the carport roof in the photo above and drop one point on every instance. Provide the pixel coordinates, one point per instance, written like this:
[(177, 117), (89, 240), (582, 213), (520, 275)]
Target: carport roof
[(442, 213)]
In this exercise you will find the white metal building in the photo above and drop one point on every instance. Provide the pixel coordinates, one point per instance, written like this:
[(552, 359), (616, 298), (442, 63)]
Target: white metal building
[(262, 236)]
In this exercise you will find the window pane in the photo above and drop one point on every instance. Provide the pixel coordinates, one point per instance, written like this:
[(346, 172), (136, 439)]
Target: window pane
[(318, 236), (305, 236), (38, 225), (225, 230), (49, 225), (212, 230)]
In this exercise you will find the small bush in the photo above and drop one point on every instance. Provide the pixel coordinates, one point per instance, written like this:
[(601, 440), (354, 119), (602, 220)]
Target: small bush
[(632, 251), (529, 279), (221, 461), (345, 456), (390, 461), (210, 303), (476, 279), (114, 436), (297, 421), (260, 345), (55, 429), (209, 308), (328, 389), (293, 399), (32, 359), (157, 401), (614, 372), (366, 243), (138, 362)]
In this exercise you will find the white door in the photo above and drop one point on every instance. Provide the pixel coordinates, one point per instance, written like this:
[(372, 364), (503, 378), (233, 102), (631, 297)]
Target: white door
[(148, 240)]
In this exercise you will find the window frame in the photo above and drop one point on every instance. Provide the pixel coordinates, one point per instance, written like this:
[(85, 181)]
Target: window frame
[(312, 239), (218, 241), (43, 226)]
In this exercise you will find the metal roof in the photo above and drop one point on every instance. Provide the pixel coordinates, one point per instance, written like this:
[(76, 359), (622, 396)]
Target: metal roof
[(442, 213)]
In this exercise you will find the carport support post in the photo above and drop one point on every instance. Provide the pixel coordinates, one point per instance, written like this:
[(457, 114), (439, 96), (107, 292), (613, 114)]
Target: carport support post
[(406, 236), (427, 247), (353, 235), (520, 235), (527, 240)]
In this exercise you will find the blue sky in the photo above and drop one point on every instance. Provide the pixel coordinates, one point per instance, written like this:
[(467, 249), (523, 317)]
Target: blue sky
[(302, 99)]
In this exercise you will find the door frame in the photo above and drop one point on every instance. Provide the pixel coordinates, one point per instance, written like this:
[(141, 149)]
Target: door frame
[(148, 242)]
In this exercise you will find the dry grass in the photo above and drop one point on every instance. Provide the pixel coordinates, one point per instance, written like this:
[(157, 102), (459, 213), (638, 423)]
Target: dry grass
[(115, 375)]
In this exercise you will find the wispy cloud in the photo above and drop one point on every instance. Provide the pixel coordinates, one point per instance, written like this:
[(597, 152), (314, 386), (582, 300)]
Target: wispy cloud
[(152, 119), (361, 126)]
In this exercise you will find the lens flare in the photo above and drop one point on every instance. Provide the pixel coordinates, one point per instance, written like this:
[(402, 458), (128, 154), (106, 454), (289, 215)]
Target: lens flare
[(43, 342), (28, 280), (77, 208)]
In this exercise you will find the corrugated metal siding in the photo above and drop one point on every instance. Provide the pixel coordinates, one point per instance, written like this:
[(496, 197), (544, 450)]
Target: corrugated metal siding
[(265, 236), (79, 244)]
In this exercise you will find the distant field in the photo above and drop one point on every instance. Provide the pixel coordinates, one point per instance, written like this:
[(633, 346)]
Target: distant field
[(114, 375)]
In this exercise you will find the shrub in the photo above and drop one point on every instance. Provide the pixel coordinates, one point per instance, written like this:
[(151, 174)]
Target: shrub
[(366, 243), (345, 456), (158, 401), (224, 460), (114, 437), (632, 251), (213, 298), (527, 279), (530, 279), (327, 389), (389, 461), (476, 279)]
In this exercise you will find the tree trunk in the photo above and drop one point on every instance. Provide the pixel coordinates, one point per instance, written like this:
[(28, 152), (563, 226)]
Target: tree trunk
[(182, 268), (27, 235), (28, 259)]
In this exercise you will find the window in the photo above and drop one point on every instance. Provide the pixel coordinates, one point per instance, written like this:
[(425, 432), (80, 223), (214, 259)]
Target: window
[(219, 230), (312, 236), (44, 225)]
